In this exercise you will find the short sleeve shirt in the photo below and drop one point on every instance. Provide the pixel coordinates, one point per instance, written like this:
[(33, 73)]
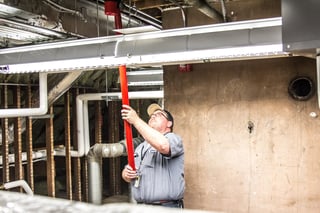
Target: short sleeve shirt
[(160, 177)]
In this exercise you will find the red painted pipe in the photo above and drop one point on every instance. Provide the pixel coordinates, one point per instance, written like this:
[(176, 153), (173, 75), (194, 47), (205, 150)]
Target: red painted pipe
[(111, 8), (127, 125)]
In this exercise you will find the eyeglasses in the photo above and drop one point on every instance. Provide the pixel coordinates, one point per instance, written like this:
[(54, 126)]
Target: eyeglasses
[(158, 114)]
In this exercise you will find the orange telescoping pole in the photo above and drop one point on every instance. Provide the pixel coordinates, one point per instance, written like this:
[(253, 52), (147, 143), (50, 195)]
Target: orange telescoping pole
[(127, 125)]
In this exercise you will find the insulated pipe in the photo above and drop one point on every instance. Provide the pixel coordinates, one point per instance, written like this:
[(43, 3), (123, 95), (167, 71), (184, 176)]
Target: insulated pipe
[(43, 105), (36, 155), (83, 119), (94, 156), (18, 183)]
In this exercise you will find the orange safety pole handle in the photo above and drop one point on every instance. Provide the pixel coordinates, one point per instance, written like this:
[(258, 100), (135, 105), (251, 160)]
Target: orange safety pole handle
[(127, 125)]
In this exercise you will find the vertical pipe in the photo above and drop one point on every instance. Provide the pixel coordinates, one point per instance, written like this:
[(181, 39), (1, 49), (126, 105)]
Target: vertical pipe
[(50, 158), (5, 140), (76, 160), (29, 141), (125, 100), (68, 145), (98, 161), (118, 21), (85, 179), (18, 138), (95, 177), (98, 122), (114, 163), (84, 160)]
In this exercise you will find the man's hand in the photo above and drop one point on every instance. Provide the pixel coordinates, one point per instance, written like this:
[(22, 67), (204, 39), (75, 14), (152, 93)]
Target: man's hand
[(128, 173), (129, 114)]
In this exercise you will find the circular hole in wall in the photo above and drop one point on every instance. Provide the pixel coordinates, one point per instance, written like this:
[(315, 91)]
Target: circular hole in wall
[(301, 88)]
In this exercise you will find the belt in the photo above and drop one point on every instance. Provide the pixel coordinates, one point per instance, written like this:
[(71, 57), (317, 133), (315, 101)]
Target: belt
[(164, 202)]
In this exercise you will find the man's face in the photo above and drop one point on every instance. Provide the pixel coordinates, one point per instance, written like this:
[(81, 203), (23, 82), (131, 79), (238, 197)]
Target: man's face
[(158, 120)]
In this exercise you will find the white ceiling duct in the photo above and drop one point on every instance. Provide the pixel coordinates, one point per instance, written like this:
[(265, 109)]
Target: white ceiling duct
[(226, 41)]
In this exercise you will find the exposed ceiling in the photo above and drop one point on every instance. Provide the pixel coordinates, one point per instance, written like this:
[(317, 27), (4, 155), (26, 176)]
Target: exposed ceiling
[(19, 26), (22, 23)]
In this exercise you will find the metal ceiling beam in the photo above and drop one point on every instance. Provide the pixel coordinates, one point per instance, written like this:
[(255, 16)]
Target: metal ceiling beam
[(226, 41)]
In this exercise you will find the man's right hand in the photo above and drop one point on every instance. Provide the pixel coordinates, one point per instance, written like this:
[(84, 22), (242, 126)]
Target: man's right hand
[(128, 173)]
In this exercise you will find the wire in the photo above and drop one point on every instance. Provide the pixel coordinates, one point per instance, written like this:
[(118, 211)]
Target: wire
[(62, 9)]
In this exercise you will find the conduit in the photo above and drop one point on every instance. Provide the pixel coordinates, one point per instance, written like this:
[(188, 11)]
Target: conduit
[(36, 155), (18, 183), (43, 105)]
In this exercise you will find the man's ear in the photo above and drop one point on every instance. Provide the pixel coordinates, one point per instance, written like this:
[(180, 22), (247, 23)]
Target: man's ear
[(169, 124)]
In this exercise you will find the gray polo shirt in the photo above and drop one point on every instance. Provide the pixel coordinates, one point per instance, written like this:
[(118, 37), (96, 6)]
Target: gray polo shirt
[(160, 177)]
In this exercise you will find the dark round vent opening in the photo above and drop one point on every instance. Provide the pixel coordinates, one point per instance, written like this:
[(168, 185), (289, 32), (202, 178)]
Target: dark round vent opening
[(301, 88)]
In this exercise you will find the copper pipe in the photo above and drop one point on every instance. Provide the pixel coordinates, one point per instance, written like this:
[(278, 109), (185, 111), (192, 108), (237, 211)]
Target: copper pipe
[(17, 138), (5, 141), (76, 160), (114, 164), (30, 175), (98, 130), (50, 157), (68, 145)]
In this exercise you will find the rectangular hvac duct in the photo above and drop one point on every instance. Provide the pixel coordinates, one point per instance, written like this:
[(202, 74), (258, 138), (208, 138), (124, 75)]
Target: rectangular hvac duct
[(217, 42)]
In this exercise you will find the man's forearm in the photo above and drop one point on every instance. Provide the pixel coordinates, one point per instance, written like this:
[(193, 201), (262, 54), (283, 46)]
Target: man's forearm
[(152, 136)]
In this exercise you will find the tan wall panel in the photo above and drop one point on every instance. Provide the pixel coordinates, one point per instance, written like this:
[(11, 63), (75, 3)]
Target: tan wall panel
[(275, 168)]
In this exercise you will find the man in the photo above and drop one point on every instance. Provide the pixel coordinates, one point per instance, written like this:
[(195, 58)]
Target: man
[(159, 160)]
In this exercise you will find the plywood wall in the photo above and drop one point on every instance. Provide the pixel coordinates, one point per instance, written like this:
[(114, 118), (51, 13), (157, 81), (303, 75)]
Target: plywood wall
[(273, 168)]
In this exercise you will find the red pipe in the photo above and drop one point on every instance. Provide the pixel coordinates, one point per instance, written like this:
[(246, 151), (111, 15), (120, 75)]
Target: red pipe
[(127, 125), (111, 8)]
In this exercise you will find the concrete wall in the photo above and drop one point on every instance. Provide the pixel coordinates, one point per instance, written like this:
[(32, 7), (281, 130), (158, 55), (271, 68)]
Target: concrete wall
[(276, 167)]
